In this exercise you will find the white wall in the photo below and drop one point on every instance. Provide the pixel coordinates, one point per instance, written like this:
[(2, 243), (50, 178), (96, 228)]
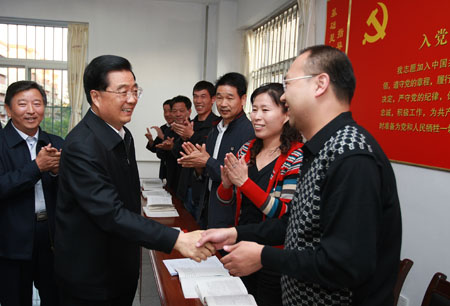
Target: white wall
[(424, 198), (229, 38), (252, 12)]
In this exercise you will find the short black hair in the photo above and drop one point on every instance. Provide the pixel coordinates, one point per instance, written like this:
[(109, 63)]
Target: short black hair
[(96, 73), (274, 90), (183, 99), (167, 102), (336, 64), (233, 79), (201, 85), (20, 86)]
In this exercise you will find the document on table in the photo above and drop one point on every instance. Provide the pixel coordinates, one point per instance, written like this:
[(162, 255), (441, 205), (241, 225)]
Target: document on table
[(159, 212), (159, 200), (190, 276), (155, 193), (224, 291), (151, 184), (211, 262)]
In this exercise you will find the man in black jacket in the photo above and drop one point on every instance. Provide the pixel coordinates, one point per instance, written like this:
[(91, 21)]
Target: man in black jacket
[(29, 159), (99, 227), (196, 132), (229, 134), (162, 133)]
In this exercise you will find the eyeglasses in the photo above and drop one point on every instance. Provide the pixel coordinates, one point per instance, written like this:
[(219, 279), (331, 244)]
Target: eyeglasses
[(296, 78), (137, 93)]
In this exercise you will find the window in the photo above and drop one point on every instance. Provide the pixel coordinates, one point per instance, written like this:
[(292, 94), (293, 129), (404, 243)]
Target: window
[(37, 51), (275, 45)]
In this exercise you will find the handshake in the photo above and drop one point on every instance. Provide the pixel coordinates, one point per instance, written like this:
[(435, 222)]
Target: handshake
[(243, 259)]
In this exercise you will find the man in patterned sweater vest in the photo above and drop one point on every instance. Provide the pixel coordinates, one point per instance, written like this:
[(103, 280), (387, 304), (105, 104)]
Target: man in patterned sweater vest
[(342, 233)]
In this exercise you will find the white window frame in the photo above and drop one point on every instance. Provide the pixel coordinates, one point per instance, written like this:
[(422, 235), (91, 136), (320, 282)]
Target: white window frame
[(276, 45), (29, 64)]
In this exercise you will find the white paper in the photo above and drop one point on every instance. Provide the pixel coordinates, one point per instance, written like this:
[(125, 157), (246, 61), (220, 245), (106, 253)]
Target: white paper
[(210, 262), (151, 183), (234, 300), (159, 200), (221, 286), (160, 213), (188, 285), (155, 193)]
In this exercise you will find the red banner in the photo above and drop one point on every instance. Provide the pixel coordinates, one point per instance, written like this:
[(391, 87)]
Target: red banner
[(337, 17), (401, 57)]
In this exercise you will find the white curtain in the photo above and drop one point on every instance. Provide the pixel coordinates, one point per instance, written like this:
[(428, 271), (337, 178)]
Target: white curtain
[(249, 64), (307, 25), (77, 43)]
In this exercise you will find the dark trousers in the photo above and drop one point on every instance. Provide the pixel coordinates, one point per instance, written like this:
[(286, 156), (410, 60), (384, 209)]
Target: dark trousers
[(17, 276), (191, 204), (265, 286), (123, 300)]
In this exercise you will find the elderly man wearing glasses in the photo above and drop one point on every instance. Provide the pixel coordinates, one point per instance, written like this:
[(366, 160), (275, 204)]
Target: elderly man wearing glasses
[(98, 224)]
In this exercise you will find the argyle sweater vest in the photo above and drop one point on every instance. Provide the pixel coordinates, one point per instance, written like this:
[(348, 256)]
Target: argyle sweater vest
[(304, 226)]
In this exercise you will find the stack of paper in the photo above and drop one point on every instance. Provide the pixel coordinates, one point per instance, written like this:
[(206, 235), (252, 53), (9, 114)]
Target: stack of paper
[(159, 201), (210, 263), (224, 291), (151, 184), (209, 281), (155, 192)]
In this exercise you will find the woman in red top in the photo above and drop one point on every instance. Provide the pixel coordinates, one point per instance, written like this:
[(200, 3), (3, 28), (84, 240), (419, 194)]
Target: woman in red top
[(262, 178)]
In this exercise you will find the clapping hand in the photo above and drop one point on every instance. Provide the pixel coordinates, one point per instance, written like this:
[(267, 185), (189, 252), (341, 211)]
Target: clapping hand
[(166, 145), (48, 159), (185, 129), (193, 156), (235, 169), (149, 137)]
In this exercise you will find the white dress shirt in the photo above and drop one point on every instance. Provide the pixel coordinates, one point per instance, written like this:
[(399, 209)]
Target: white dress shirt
[(221, 128), (39, 200)]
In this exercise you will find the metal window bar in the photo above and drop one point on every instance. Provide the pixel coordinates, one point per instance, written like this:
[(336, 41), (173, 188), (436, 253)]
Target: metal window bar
[(276, 46), (49, 68)]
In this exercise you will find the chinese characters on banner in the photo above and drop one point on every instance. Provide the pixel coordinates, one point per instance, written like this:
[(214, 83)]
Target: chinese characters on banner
[(401, 56), (337, 17)]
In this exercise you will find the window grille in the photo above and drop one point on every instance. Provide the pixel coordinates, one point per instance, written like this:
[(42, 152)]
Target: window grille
[(37, 51), (275, 47)]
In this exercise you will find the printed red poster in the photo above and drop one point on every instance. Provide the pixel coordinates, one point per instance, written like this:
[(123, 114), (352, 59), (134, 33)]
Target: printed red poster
[(401, 56)]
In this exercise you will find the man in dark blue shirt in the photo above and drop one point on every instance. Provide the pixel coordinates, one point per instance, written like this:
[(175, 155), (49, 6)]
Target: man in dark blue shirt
[(230, 133), (29, 164)]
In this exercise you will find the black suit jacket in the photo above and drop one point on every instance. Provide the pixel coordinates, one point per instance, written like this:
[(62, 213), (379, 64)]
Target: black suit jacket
[(161, 154), (239, 131), (186, 176), (98, 223), (18, 175)]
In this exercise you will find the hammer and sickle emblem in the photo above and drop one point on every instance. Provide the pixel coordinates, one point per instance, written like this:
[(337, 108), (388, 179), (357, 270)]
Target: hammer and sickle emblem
[(380, 28)]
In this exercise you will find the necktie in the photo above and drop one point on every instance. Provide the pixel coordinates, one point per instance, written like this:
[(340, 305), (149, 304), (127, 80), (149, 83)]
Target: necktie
[(31, 141)]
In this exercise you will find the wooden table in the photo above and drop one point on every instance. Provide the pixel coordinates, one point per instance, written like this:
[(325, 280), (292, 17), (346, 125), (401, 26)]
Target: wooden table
[(169, 288)]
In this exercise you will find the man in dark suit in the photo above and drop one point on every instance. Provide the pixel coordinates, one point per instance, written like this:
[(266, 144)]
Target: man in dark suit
[(228, 135), (162, 133), (98, 224), (29, 159), (190, 186), (181, 111)]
